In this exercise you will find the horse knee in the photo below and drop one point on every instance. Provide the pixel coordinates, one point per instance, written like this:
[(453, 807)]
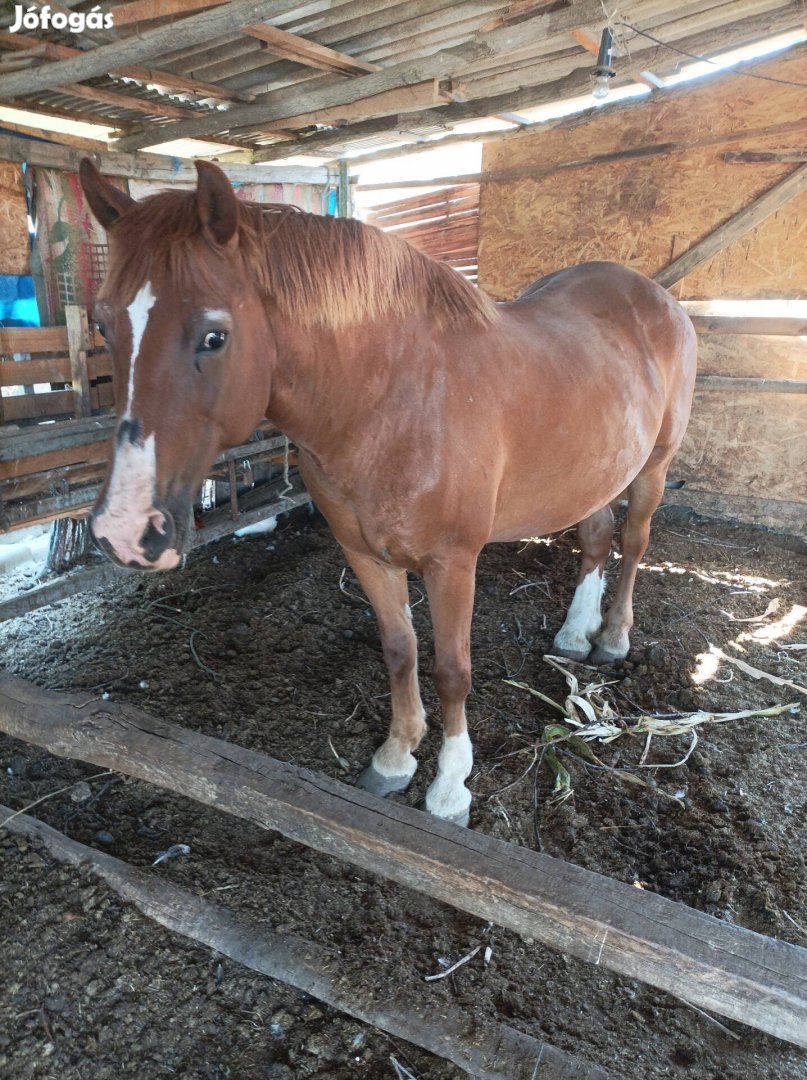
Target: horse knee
[(400, 654), (452, 679)]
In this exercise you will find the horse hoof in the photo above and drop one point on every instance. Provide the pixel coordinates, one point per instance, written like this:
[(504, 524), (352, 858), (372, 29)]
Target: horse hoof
[(580, 655), (377, 784), (604, 656), (461, 818)]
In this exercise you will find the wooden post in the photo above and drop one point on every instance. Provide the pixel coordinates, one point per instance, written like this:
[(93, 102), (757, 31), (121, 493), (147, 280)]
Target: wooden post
[(753, 979), (78, 343), (680, 244)]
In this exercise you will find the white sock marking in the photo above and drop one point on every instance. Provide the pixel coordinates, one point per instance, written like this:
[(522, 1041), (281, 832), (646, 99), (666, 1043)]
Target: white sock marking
[(448, 797), (138, 312), (583, 620)]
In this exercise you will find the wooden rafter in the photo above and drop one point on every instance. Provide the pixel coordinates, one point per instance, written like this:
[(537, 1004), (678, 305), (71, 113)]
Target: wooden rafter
[(439, 65), (147, 10), (292, 47), (644, 55), (163, 79), (111, 57)]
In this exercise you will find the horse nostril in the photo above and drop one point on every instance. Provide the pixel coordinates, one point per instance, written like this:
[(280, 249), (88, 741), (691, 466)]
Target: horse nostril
[(159, 534)]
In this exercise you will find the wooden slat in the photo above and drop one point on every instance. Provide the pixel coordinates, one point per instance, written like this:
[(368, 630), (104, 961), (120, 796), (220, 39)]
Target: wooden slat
[(164, 79), (23, 339), (56, 403), (765, 386), (146, 10), (25, 372), (78, 343), (776, 326), (120, 101), (715, 965), (482, 1047), (734, 228), (405, 99), (294, 47), (192, 30), (440, 65)]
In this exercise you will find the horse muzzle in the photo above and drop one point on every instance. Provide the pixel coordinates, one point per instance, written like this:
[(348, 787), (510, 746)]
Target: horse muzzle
[(146, 540)]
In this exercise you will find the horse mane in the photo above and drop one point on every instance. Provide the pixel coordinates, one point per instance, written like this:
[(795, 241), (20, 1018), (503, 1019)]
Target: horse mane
[(324, 271)]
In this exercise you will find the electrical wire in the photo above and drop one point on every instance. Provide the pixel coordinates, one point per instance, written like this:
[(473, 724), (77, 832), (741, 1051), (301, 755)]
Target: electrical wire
[(704, 59)]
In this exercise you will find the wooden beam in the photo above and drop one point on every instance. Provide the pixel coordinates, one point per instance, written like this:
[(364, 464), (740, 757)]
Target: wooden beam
[(772, 326), (484, 1048), (679, 245), (746, 157), (60, 137), (146, 10), (439, 65), (643, 55), (772, 513), (734, 383), (87, 577), (422, 95), (105, 58), (165, 80), (118, 101), (734, 228), (293, 47), (715, 965), (150, 166)]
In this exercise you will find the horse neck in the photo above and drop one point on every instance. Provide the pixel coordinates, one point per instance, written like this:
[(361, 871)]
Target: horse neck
[(327, 382)]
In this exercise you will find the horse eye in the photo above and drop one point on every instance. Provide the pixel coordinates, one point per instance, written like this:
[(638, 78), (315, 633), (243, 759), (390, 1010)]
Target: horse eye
[(101, 328), (213, 340)]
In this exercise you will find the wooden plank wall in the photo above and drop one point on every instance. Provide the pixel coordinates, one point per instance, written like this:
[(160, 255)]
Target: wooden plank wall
[(632, 210), (48, 361), (443, 224), (745, 454)]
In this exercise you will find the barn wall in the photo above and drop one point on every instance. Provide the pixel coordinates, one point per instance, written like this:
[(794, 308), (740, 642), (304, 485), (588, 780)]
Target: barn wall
[(631, 210), (14, 244), (745, 453)]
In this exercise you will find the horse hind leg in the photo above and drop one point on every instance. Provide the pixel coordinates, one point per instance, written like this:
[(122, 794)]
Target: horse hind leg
[(393, 764), (450, 584), (583, 621), (644, 496)]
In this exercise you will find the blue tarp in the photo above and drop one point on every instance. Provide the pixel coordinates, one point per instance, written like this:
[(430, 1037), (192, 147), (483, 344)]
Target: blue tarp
[(17, 301)]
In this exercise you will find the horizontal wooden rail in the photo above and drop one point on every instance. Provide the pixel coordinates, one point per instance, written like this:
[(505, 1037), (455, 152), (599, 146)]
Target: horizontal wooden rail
[(759, 386), (484, 1048), (753, 979), (772, 326)]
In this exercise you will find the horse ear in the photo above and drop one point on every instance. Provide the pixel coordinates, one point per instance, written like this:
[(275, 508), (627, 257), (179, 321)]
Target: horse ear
[(107, 202), (218, 206)]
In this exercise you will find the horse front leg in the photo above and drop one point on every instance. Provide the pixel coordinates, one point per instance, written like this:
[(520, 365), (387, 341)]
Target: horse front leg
[(393, 764), (450, 586)]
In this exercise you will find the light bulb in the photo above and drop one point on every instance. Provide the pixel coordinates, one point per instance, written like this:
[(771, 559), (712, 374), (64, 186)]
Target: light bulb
[(600, 87)]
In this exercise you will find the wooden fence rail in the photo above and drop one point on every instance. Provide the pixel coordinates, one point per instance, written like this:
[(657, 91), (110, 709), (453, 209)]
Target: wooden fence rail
[(739, 974)]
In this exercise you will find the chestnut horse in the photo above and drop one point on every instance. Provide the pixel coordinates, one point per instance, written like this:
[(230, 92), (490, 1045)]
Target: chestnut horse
[(429, 420)]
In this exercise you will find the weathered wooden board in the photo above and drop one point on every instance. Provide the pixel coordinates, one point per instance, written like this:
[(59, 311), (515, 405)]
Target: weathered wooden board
[(486, 1049), (735, 972), (14, 244), (746, 443), (752, 357), (630, 210)]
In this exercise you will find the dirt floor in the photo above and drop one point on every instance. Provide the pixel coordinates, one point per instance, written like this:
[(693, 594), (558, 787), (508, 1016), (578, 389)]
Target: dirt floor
[(255, 642)]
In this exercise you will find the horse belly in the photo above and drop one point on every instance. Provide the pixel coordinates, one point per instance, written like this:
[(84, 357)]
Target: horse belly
[(553, 482)]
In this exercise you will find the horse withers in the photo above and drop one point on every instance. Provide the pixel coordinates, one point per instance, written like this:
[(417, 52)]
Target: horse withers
[(429, 420)]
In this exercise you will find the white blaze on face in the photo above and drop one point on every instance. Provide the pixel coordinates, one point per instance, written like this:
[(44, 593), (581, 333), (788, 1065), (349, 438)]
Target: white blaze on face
[(128, 508), (138, 312)]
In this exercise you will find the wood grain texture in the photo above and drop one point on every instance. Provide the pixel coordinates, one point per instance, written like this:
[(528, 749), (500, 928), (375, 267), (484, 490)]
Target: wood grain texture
[(629, 209), (488, 1050), (15, 248), (750, 978)]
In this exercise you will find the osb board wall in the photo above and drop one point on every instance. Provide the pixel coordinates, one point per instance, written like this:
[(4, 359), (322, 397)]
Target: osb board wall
[(14, 246), (748, 444), (630, 211), (749, 356)]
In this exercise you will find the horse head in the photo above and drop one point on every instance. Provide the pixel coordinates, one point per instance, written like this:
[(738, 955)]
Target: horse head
[(187, 330)]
